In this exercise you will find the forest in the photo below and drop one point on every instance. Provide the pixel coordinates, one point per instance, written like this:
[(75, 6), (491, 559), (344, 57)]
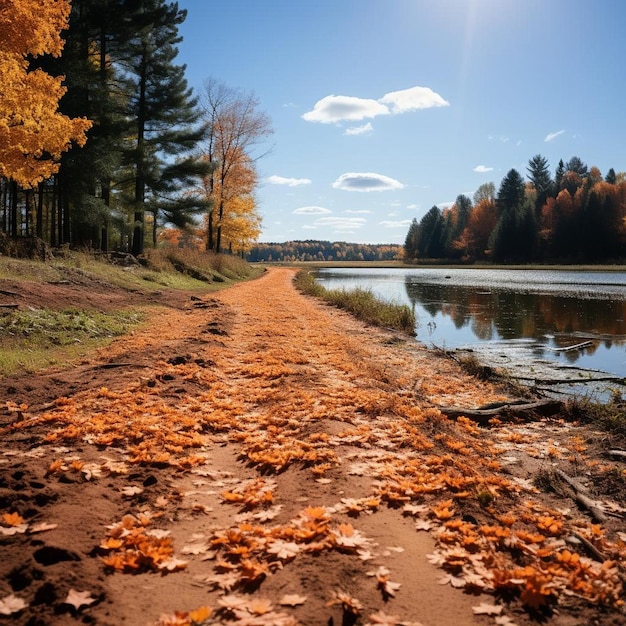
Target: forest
[(313, 250), (102, 142), (575, 216)]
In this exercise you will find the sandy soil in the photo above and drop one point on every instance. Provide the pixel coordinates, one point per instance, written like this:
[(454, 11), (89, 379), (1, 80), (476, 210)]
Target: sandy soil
[(256, 457)]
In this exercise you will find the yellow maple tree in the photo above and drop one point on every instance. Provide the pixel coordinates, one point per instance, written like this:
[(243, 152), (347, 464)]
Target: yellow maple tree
[(33, 133)]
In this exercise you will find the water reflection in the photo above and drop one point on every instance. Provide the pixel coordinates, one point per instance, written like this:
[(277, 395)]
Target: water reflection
[(519, 314), (500, 314)]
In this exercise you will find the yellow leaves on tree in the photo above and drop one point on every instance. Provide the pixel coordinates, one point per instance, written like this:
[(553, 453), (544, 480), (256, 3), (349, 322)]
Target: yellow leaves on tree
[(33, 133)]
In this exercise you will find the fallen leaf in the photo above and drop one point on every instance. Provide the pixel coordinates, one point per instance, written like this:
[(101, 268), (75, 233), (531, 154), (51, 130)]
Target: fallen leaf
[(487, 609), (173, 565), (454, 581), (14, 530), (292, 600), (259, 606), (195, 548), (78, 599), (42, 527), (11, 604), (284, 549), (12, 519), (133, 490)]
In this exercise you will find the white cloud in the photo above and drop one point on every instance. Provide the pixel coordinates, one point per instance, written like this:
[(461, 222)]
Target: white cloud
[(366, 181), (395, 223), (332, 109), (445, 205), (413, 99), (358, 211), (366, 129), (552, 136), (341, 223), (311, 210), (481, 169), (412, 206), (291, 182)]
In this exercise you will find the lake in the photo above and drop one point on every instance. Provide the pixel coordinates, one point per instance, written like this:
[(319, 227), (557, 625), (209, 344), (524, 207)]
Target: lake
[(563, 331)]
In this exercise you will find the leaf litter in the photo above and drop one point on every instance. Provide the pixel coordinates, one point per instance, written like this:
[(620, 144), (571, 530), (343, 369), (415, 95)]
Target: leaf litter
[(302, 400)]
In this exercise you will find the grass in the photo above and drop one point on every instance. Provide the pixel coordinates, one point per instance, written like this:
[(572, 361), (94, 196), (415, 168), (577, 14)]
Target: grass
[(34, 339), (38, 338), (609, 417), (362, 303)]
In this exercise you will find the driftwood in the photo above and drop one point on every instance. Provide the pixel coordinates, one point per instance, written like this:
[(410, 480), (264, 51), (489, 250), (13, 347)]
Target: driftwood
[(617, 455), (584, 500), (520, 410), (571, 381), (578, 346)]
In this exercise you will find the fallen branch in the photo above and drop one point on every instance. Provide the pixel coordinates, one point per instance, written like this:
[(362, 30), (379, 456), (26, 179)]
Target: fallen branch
[(6, 292), (591, 549), (526, 411), (9, 306), (570, 381), (617, 455), (578, 346), (585, 501)]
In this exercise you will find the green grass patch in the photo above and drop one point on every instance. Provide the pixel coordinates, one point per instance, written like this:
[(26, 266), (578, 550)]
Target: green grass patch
[(362, 303), (34, 339)]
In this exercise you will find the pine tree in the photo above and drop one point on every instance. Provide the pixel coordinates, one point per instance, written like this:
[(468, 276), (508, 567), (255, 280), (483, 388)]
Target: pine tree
[(539, 176), (411, 241), (165, 116)]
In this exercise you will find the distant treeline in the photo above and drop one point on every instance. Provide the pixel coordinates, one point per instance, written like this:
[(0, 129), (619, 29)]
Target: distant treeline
[(575, 216), (311, 250)]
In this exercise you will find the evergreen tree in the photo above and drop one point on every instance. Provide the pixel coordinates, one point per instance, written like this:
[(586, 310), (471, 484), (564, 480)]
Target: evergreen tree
[(611, 177), (94, 39), (463, 209), (506, 241), (539, 176), (411, 241), (165, 116), (576, 165), (431, 231), (558, 177)]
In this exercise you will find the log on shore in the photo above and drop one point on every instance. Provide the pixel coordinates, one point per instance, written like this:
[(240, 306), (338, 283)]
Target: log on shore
[(527, 411)]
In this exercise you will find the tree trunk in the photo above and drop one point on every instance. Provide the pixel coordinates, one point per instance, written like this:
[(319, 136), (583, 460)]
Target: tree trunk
[(13, 219), (39, 218)]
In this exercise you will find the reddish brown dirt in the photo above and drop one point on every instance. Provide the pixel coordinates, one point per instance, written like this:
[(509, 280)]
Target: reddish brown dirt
[(255, 444)]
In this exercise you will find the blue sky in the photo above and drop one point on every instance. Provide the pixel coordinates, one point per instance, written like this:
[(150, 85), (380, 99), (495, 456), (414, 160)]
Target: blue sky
[(383, 108)]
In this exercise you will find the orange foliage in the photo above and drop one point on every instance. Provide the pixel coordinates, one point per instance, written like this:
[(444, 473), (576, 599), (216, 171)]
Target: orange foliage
[(33, 134)]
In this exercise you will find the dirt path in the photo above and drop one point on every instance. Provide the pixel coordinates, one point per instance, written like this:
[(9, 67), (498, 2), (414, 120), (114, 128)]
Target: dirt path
[(266, 459)]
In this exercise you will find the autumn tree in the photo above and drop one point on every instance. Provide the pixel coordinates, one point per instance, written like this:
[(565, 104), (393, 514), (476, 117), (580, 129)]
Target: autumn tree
[(474, 240), (236, 128), (239, 223), (33, 133)]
